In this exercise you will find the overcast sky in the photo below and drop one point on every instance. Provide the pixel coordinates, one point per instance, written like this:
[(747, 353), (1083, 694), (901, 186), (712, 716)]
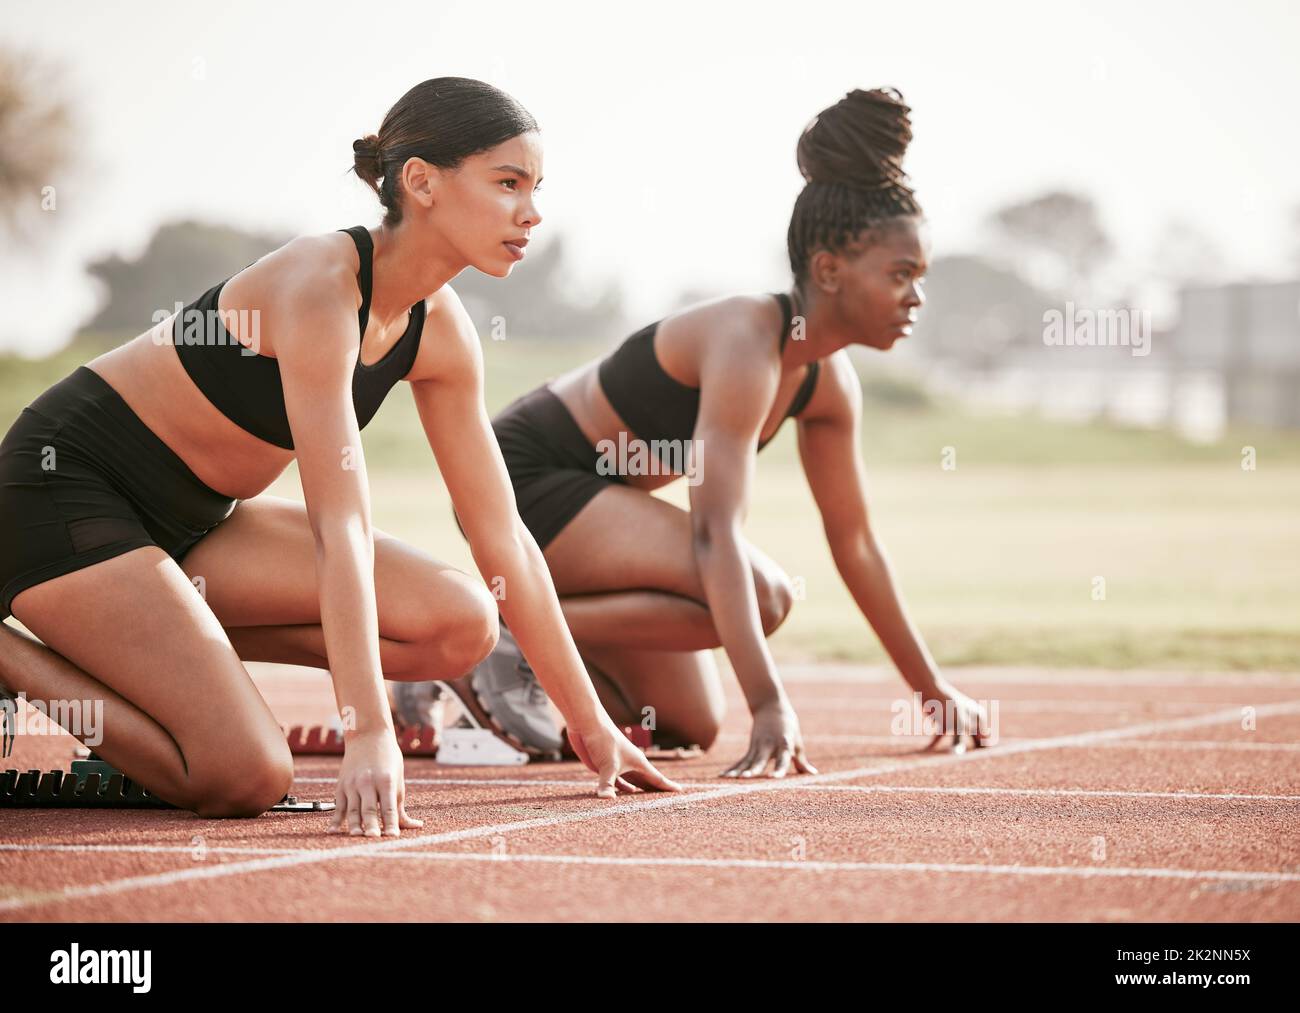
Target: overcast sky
[(669, 128)]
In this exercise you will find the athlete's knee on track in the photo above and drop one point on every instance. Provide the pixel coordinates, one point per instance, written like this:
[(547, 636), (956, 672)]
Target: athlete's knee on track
[(775, 598), (696, 731), (697, 726), (247, 784)]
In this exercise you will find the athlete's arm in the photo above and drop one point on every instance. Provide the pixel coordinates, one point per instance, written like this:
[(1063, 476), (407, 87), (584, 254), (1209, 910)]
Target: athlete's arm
[(313, 314), (448, 389), (736, 388), (830, 449)]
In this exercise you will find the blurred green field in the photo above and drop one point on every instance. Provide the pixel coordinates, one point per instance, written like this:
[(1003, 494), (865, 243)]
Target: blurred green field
[(996, 558)]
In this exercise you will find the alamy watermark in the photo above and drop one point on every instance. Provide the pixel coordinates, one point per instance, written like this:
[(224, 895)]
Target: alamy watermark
[(1128, 328), (653, 457), (209, 327), (82, 718), (75, 966), (918, 716)]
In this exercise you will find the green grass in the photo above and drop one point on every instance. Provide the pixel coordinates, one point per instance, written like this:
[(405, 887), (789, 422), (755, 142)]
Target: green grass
[(996, 558)]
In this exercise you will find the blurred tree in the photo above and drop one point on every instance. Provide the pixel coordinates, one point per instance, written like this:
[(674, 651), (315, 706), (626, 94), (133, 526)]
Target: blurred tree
[(538, 300), (182, 261), (185, 259), (35, 137), (1055, 241)]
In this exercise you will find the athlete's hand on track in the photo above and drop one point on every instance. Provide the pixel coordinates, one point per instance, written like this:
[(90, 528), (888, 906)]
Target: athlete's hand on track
[(774, 737), (962, 716), (620, 765), (371, 794)]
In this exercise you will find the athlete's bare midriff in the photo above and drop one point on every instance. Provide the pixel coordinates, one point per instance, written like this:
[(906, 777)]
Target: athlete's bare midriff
[(580, 390), (147, 373)]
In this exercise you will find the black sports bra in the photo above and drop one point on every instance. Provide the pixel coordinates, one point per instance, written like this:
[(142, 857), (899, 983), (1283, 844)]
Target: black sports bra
[(657, 407), (246, 387)]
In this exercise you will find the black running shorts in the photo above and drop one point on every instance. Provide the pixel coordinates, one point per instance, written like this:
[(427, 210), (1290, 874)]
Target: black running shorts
[(83, 479), (551, 463)]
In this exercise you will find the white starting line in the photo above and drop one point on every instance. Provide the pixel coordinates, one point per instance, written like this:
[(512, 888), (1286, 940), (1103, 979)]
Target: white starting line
[(803, 865), (794, 785)]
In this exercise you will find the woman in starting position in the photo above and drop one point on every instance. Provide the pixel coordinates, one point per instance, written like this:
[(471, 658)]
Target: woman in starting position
[(136, 547), (647, 588)]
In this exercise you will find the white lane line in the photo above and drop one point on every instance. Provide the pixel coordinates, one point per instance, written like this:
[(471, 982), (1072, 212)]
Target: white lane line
[(754, 863), (510, 782), (1085, 871), (981, 675), (506, 782), (1047, 792), (153, 849), (1015, 705), (645, 862), (599, 811), (1201, 745), (893, 740)]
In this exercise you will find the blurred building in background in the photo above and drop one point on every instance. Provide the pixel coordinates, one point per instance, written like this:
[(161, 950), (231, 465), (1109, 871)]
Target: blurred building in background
[(1231, 356), (1176, 348), (1246, 336)]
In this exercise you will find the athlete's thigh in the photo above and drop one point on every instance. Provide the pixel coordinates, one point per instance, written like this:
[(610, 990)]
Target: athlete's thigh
[(258, 568), (625, 538), (136, 623)]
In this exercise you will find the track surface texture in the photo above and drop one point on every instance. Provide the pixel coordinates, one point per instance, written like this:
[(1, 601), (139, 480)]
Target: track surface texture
[(1109, 796)]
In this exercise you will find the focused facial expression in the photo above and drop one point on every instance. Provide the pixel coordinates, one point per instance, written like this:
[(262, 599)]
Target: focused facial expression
[(877, 289), (486, 208)]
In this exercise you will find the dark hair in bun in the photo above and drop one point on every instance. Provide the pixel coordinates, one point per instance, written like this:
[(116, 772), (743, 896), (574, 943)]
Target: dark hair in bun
[(852, 157), (365, 160), (443, 121)]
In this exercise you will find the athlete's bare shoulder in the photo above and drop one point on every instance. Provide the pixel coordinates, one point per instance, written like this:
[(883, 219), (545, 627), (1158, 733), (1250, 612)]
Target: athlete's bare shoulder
[(324, 262), (738, 327), (296, 288), (449, 343), (748, 314), (837, 395)]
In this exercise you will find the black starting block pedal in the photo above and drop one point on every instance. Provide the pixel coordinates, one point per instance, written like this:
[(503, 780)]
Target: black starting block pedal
[(58, 789), (94, 784)]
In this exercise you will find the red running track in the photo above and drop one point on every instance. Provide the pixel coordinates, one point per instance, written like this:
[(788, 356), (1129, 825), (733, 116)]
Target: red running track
[(1110, 796)]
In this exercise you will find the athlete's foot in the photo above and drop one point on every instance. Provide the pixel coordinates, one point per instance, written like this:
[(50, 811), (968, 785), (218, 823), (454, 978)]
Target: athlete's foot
[(419, 703), (504, 689)]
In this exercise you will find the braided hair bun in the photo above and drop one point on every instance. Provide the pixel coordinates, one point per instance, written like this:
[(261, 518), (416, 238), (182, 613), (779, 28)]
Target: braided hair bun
[(852, 158), (860, 141)]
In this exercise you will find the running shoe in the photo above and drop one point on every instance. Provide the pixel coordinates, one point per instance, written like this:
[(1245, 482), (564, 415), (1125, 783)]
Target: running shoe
[(503, 694)]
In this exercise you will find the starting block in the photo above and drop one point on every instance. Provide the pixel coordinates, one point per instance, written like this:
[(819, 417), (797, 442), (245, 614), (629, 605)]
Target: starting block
[(94, 784), (478, 747), (318, 740), (463, 747)]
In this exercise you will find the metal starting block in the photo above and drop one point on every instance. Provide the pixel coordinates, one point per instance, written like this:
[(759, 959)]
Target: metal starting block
[(478, 747), (318, 740), (58, 789), (464, 747), (94, 784)]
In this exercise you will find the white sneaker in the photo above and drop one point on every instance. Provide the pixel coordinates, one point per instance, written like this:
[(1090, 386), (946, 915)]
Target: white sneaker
[(504, 689), (419, 703)]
